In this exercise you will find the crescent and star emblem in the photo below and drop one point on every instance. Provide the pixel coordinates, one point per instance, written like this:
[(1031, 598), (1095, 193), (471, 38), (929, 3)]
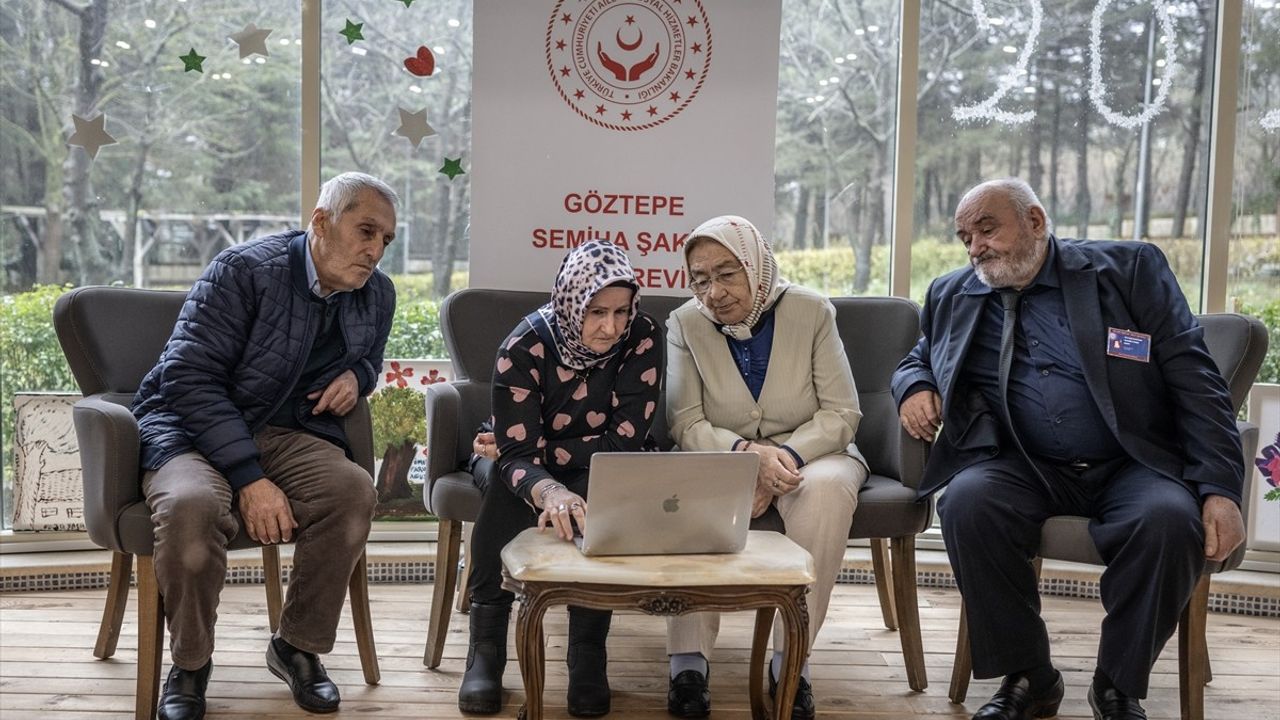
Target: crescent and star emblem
[(628, 64)]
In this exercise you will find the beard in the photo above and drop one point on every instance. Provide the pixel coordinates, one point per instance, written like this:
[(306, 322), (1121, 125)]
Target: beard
[(1012, 269)]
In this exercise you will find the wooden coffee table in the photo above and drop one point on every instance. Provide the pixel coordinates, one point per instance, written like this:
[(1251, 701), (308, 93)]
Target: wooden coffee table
[(771, 574)]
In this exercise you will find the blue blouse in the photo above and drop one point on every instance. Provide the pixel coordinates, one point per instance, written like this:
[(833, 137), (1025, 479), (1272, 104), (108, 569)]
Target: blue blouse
[(752, 356)]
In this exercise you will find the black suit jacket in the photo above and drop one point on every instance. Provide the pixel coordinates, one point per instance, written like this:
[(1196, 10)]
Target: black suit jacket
[(1172, 414)]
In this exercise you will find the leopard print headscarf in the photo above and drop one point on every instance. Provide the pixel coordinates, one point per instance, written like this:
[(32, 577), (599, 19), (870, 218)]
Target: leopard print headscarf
[(585, 271)]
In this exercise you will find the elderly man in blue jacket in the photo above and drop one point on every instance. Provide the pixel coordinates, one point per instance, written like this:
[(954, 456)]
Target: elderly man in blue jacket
[(276, 342), (1069, 377)]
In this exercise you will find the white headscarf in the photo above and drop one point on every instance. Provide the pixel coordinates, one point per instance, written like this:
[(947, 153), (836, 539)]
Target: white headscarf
[(746, 243)]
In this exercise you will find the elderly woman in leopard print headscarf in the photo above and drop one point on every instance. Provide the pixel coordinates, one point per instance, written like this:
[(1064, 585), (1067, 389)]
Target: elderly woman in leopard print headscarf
[(579, 375)]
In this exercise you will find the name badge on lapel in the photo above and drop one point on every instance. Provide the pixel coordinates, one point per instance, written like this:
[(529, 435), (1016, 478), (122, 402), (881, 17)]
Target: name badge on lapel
[(1128, 344)]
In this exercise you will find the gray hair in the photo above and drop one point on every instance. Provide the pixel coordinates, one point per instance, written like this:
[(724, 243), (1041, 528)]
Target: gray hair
[(1018, 192), (339, 194)]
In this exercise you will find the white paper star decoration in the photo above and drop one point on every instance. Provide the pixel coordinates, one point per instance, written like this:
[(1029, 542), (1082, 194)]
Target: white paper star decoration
[(90, 134), (413, 125), (252, 39)]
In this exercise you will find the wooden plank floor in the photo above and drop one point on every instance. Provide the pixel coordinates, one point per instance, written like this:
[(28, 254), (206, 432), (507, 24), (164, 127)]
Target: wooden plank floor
[(47, 668)]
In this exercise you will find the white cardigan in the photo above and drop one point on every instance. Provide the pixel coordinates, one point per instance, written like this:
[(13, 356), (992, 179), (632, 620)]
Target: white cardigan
[(808, 401)]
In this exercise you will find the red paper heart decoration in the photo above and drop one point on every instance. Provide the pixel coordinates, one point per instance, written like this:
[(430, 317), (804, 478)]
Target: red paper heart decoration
[(422, 64)]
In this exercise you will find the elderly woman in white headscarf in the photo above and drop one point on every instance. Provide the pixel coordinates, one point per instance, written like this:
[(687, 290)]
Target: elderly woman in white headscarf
[(755, 364)]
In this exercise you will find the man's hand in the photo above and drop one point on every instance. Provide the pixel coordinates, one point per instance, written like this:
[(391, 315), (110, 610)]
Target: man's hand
[(485, 445), (267, 516), (1223, 527), (339, 397), (921, 414)]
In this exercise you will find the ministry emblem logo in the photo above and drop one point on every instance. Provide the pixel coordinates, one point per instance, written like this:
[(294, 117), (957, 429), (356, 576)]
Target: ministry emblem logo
[(628, 64)]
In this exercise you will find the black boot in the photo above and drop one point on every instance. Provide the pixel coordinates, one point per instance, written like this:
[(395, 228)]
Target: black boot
[(588, 660), (481, 689)]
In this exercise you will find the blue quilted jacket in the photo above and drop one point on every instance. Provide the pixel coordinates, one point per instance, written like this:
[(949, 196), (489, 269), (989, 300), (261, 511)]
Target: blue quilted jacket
[(238, 348)]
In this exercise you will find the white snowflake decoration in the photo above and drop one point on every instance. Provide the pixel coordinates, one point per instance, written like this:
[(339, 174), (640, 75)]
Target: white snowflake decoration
[(987, 110), (1270, 121), (1098, 89)]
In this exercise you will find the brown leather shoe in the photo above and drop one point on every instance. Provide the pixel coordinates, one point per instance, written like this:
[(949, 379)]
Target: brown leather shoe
[(1014, 701), (1111, 704)]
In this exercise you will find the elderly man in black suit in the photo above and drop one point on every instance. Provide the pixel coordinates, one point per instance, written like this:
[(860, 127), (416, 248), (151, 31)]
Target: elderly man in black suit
[(1069, 377)]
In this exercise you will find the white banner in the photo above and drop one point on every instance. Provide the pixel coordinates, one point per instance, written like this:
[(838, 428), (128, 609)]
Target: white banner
[(626, 120)]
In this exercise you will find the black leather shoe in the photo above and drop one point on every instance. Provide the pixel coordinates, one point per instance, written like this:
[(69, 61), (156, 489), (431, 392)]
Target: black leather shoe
[(688, 695), (802, 708), (1111, 704), (183, 697), (312, 689), (1014, 701)]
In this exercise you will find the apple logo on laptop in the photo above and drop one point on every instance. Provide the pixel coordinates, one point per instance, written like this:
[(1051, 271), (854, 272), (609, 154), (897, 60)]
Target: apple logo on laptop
[(671, 504)]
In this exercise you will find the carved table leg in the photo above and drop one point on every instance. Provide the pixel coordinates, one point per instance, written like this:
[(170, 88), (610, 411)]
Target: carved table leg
[(764, 623), (795, 618), (530, 650)]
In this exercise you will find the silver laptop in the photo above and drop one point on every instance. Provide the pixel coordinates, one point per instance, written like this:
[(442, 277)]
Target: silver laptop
[(666, 503)]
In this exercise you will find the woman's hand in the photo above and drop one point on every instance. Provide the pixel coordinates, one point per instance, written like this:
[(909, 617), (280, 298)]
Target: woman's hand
[(760, 502), (485, 445), (778, 473), (560, 508)]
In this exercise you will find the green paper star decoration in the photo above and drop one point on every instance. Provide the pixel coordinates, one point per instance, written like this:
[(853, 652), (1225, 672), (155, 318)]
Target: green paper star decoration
[(192, 61), (352, 32), (452, 167), (407, 3)]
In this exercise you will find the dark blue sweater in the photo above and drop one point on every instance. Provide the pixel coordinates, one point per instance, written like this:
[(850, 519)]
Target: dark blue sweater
[(239, 348)]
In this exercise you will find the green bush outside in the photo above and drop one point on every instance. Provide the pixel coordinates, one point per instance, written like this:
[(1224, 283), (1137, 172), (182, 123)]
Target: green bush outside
[(30, 359), (1269, 314), (415, 333), (831, 270)]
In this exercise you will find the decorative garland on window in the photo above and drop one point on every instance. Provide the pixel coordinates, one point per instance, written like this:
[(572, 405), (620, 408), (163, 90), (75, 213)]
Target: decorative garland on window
[(987, 110), (1098, 89), (1271, 121)]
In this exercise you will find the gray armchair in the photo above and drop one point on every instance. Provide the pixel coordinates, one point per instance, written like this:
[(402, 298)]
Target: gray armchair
[(1238, 344), (877, 333), (111, 338)]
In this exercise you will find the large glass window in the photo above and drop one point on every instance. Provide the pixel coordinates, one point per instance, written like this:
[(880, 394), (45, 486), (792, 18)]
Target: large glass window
[(1057, 93), (205, 155), (395, 102), (207, 147), (837, 83), (1254, 281)]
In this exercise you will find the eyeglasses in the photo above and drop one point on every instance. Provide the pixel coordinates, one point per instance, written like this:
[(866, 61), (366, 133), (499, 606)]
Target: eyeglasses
[(727, 279)]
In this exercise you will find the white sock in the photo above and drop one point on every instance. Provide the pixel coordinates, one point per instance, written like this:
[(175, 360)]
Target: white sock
[(688, 661), (775, 667)]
